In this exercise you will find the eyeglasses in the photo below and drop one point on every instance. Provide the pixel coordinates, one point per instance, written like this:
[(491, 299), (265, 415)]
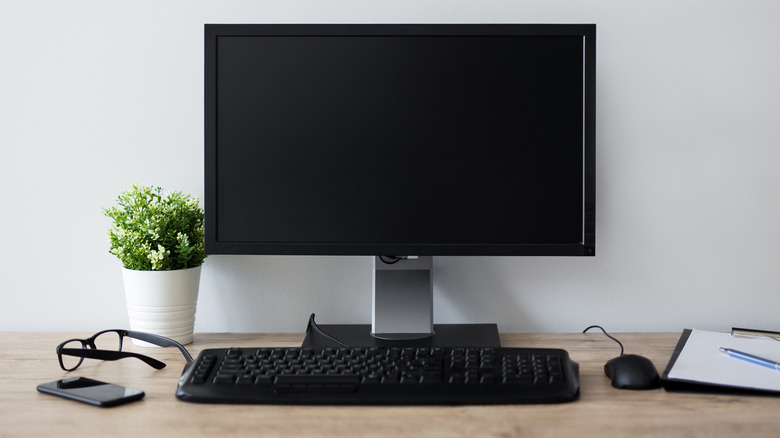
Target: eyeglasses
[(107, 345)]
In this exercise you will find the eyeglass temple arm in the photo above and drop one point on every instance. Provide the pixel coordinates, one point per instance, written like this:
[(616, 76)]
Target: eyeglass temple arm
[(111, 355), (161, 341)]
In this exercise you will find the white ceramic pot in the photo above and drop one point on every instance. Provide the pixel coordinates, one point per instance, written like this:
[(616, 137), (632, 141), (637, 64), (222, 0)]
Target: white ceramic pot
[(162, 302)]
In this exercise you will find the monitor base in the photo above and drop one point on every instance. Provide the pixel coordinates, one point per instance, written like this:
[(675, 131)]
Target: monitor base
[(446, 335)]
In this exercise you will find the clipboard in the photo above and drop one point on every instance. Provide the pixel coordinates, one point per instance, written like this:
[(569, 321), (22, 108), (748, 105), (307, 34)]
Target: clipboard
[(697, 365)]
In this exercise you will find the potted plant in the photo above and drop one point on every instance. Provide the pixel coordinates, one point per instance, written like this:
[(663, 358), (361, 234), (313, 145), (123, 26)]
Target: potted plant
[(159, 240)]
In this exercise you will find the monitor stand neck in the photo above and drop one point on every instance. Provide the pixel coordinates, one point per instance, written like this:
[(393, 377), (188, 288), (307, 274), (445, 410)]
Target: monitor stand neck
[(403, 315), (402, 299)]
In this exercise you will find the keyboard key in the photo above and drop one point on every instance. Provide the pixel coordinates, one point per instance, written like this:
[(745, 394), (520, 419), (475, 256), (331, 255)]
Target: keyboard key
[(316, 383)]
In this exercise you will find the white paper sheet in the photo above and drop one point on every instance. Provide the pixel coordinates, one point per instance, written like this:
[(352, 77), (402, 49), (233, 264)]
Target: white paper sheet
[(702, 361)]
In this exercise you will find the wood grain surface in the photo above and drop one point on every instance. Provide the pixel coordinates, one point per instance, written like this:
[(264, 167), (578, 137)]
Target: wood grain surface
[(27, 359)]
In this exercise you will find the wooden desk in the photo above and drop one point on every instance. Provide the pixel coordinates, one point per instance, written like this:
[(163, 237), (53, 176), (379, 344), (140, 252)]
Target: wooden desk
[(29, 359)]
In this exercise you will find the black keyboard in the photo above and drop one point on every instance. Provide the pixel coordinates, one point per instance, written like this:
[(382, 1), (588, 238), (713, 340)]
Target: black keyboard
[(378, 376)]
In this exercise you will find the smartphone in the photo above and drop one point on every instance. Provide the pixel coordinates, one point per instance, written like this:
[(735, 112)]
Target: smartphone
[(91, 391)]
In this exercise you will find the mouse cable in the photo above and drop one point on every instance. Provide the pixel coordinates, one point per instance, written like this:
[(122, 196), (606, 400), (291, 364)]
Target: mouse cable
[(313, 326), (608, 335)]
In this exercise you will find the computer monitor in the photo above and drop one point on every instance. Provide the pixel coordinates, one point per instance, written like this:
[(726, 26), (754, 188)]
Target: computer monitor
[(400, 142)]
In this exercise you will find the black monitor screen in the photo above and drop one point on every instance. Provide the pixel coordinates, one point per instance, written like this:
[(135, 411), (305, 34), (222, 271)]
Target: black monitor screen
[(400, 139)]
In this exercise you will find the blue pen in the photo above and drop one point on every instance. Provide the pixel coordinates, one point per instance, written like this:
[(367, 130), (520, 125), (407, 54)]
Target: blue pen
[(752, 359)]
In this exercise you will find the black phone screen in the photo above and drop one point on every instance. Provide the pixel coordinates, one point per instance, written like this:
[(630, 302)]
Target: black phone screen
[(91, 391)]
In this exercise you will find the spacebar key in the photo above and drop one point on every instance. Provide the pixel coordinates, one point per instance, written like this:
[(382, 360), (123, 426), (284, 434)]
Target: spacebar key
[(316, 383)]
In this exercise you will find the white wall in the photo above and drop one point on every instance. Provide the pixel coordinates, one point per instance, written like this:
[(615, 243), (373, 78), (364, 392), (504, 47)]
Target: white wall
[(97, 95)]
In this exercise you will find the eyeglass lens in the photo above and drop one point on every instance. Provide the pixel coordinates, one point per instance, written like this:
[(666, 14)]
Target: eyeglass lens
[(69, 362), (109, 340)]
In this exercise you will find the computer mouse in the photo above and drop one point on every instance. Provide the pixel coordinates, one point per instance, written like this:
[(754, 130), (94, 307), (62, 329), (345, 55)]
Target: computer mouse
[(630, 371)]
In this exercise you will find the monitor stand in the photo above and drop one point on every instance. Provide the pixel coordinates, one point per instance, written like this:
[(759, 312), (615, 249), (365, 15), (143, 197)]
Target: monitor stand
[(403, 314)]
